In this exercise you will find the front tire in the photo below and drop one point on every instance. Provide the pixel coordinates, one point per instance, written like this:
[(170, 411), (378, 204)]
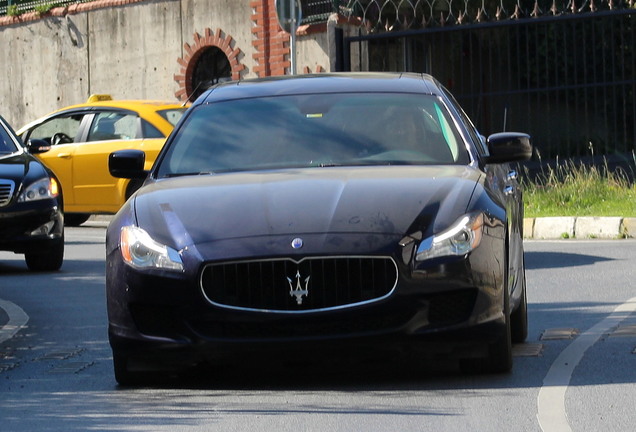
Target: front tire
[(499, 358), (519, 318), (123, 375), (500, 352), (75, 219), (50, 259)]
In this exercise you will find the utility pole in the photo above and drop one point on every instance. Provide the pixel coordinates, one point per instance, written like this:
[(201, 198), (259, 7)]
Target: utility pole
[(289, 13), (294, 27)]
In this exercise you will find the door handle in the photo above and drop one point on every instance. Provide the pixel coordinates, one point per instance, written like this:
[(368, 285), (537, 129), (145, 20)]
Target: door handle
[(64, 155)]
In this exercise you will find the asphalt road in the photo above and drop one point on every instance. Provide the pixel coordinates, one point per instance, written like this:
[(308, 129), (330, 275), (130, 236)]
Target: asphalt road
[(576, 371)]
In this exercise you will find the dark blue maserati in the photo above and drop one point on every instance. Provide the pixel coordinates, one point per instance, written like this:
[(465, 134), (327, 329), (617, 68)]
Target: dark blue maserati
[(354, 212)]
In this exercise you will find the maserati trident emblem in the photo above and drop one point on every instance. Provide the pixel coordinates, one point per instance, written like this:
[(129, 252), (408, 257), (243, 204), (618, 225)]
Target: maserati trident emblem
[(298, 292)]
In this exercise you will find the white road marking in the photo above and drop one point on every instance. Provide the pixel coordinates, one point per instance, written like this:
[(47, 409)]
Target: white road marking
[(551, 400), (17, 319)]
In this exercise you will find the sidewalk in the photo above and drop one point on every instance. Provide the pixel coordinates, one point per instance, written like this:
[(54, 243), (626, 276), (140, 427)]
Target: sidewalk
[(579, 228)]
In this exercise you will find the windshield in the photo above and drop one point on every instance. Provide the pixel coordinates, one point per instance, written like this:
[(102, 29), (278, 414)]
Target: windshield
[(314, 131), (7, 145)]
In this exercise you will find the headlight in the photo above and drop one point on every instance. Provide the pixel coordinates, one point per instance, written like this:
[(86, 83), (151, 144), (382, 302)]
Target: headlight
[(139, 250), (462, 237), (41, 189)]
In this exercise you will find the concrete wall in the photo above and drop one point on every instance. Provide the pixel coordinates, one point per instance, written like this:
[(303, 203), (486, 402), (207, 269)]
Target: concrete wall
[(41, 68), (128, 48)]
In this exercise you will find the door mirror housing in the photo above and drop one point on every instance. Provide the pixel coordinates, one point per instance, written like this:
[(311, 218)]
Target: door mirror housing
[(508, 147), (37, 146), (127, 164)]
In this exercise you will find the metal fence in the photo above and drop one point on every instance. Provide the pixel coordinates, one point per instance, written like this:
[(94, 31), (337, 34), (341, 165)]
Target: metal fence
[(564, 73), (18, 7)]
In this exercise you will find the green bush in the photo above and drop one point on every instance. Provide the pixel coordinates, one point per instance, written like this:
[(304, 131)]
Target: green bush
[(12, 10), (570, 189), (43, 8)]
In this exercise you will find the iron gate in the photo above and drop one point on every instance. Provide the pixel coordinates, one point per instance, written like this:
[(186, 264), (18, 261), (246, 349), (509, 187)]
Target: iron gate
[(568, 78)]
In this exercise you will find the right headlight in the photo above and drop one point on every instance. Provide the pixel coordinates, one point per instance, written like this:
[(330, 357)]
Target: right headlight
[(140, 251), (41, 189), (459, 239)]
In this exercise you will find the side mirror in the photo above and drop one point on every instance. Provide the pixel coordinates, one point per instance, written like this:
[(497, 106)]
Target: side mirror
[(508, 147), (37, 146), (127, 164)]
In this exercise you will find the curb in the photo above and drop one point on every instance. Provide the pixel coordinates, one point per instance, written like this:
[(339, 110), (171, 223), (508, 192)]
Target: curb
[(583, 227)]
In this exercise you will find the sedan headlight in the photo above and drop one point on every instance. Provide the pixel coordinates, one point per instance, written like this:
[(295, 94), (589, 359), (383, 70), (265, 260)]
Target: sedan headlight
[(139, 250), (461, 238), (41, 189)]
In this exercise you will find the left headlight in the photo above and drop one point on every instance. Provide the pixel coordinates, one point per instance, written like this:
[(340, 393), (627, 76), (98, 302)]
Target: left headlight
[(41, 189), (459, 239), (139, 250)]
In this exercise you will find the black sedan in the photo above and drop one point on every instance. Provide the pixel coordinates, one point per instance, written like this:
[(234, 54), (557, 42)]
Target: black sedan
[(31, 220), (355, 212)]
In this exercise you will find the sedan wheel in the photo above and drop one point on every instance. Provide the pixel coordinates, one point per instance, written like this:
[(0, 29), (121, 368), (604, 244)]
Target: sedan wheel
[(47, 260), (499, 359), (519, 318), (500, 353), (123, 375), (75, 219)]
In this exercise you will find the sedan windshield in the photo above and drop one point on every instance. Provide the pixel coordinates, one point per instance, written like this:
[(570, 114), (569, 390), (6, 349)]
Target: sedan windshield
[(314, 131), (7, 146)]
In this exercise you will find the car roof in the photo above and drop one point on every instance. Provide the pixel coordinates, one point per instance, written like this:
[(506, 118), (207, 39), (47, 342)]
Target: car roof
[(146, 108), (323, 83), (133, 105)]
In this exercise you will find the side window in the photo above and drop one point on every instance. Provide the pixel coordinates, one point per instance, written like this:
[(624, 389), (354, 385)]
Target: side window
[(6, 146), (172, 115), (480, 143), (149, 131), (58, 130), (113, 126)]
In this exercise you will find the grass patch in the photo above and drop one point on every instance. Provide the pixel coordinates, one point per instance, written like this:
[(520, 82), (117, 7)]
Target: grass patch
[(570, 189)]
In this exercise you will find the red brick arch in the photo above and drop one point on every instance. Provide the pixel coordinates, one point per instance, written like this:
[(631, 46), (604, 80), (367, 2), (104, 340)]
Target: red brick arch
[(192, 53)]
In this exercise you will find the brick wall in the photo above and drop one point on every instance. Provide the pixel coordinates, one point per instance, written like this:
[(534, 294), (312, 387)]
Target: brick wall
[(270, 42)]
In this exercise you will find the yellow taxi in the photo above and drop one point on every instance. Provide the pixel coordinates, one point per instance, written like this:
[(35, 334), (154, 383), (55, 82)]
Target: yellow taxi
[(75, 142)]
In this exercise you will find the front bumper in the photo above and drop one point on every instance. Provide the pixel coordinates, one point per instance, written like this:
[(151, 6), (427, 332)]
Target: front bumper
[(443, 309), (31, 226)]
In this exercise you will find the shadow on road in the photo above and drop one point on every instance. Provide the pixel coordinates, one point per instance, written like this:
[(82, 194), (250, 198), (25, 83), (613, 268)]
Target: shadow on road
[(547, 260)]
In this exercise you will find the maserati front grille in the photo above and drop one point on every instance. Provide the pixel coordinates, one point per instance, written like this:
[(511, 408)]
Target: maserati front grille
[(285, 285)]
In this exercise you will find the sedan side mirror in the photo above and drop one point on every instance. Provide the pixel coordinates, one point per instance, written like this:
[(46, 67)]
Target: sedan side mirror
[(37, 146), (508, 147), (127, 164)]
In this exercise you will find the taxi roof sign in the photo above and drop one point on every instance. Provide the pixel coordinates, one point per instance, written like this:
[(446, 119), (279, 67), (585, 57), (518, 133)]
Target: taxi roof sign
[(99, 98)]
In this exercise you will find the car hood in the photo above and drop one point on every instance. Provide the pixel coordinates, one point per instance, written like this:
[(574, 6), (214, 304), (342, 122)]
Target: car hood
[(15, 166), (379, 200)]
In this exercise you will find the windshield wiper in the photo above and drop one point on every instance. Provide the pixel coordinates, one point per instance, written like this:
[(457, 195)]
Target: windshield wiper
[(195, 173), (355, 163)]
